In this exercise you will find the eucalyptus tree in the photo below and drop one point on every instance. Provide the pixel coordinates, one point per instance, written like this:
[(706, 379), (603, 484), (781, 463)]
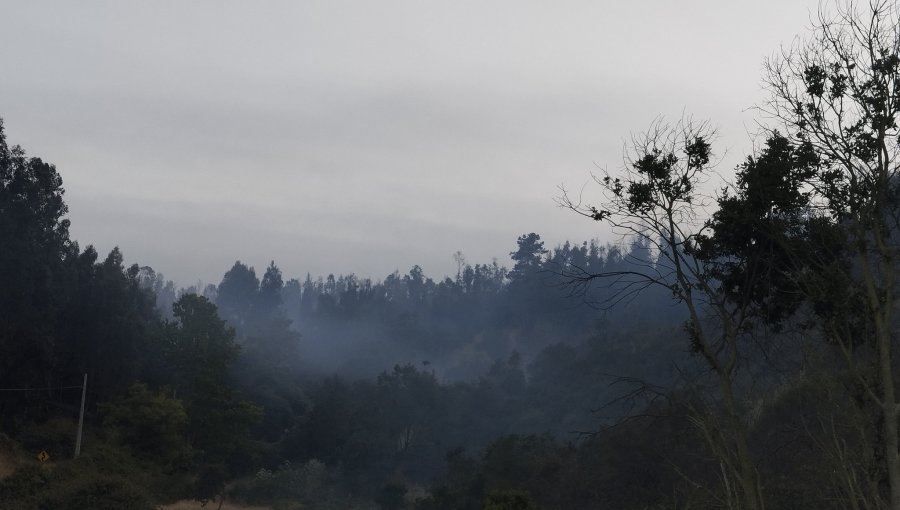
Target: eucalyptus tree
[(34, 241)]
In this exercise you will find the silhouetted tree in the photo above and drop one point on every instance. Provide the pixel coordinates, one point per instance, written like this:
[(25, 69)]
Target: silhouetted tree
[(200, 351), (34, 242), (237, 294), (658, 199), (528, 257), (269, 299), (837, 92)]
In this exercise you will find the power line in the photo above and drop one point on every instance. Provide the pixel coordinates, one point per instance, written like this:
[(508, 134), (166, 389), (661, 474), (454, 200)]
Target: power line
[(41, 389)]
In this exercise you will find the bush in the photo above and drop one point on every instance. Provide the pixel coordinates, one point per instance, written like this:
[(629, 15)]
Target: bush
[(509, 500), (55, 436), (392, 496), (306, 483), (74, 486), (22, 489), (97, 492)]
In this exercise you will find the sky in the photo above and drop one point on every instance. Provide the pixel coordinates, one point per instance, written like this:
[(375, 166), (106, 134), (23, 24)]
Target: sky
[(358, 136)]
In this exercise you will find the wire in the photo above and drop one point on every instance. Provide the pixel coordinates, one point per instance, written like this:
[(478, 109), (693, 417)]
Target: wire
[(41, 389)]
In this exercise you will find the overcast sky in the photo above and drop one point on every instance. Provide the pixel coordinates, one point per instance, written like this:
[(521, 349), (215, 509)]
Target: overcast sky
[(361, 136)]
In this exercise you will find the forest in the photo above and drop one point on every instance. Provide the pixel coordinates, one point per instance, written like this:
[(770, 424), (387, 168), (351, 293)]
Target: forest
[(733, 349)]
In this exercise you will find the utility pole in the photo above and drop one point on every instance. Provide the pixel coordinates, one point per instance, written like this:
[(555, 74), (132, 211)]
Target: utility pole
[(81, 417)]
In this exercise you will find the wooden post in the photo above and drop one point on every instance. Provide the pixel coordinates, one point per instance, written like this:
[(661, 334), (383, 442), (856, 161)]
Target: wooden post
[(81, 418)]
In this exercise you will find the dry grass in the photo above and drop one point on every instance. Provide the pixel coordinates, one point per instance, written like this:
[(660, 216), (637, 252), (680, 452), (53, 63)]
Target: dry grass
[(212, 505), (7, 465), (11, 456)]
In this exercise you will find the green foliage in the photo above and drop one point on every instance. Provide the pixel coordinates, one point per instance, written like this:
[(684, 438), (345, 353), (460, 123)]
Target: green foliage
[(392, 496), (55, 436), (151, 423), (310, 483), (35, 243), (237, 293), (509, 500), (23, 487), (759, 234), (200, 348), (199, 344), (72, 486), (210, 482), (530, 461), (665, 171), (277, 388), (528, 257), (268, 300)]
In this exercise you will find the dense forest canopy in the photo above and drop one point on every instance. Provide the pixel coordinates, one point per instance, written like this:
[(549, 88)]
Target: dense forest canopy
[(735, 351)]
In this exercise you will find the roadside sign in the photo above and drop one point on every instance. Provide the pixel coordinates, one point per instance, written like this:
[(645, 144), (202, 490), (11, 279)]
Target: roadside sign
[(43, 456)]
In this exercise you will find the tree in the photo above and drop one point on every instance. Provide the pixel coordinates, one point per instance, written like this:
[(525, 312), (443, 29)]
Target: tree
[(163, 289), (34, 242), (201, 350), (409, 399), (237, 294), (657, 200), (151, 423), (764, 227), (839, 93), (528, 257), (269, 300)]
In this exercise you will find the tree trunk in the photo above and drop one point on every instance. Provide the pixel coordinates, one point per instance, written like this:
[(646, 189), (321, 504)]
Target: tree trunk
[(747, 471), (889, 409)]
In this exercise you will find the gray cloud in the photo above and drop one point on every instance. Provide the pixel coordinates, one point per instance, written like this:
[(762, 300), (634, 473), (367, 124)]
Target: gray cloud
[(360, 136)]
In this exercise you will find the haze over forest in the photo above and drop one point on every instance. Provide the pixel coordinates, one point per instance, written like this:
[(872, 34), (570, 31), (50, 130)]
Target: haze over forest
[(326, 136), (428, 257)]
